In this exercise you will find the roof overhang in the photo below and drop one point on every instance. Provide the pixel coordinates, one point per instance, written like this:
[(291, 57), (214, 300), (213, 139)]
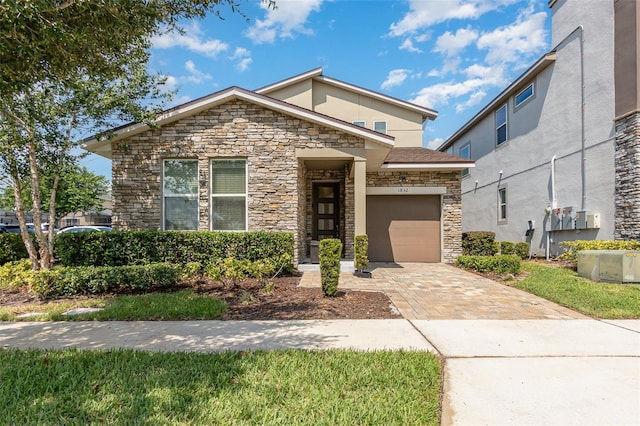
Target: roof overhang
[(441, 167), (513, 88), (102, 146)]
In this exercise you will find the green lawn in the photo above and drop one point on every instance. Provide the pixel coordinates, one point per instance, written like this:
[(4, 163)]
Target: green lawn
[(274, 387), (179, 305), (596, 299)]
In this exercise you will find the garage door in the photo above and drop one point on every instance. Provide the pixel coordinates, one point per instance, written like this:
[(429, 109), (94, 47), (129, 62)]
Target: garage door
[(403, 228)]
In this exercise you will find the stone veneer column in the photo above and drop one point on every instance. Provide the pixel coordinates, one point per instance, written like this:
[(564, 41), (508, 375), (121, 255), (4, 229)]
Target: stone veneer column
[(627, 167)]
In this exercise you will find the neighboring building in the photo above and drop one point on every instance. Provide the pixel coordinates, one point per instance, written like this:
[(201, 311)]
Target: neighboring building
[(560, 146), (309, 155), (100, 217)]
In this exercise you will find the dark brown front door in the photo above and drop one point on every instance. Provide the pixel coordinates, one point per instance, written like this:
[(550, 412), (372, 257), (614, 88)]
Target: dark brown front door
[(326, 209)]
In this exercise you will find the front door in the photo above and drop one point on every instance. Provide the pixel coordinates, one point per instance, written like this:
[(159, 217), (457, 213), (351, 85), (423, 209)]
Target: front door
[(326, 209)]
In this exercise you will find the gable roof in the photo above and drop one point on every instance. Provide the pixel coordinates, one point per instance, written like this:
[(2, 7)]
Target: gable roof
[(317, 74), (424, 158), (102, 146)]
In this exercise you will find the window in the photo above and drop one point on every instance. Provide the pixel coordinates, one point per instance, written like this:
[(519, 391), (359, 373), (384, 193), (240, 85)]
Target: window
[(360, 123), (465, 152), (229, 195), (380, 126), (524, 95), (72, 222), (502, 205), (501, 125), (180, 195)]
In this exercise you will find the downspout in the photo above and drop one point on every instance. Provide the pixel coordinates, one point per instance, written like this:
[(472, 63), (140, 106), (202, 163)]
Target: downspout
[(582, 124), (554, 200)]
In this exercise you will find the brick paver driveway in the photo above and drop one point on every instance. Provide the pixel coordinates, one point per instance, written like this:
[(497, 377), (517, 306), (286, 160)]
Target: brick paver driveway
[(440, 291)]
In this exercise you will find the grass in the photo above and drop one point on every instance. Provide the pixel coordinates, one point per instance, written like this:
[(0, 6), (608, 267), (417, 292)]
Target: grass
[(179, 305), (275, 387), (596, 299)]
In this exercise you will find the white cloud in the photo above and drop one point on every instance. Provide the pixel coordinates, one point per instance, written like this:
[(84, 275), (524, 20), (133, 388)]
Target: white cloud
[(192, 40), (424, 13), (289, 18), (196, 76), (441, 93), (474, 99), (395, 78), (407, 45), (435, 143), (515, 42), (451, 44), (243, 58)]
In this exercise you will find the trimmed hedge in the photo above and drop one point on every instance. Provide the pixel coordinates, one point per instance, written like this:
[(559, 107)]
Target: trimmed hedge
[(501, 264), (361, 248), (573, 247), (118, 248), (479, 243), (522, 250), (12, 248), (329, 254), (507, 247), (86, 280)]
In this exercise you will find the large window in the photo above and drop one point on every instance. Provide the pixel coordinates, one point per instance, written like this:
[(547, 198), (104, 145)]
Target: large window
[(524, 95), (465, 152), (228, 195), (380, 126), (501, 125), (360, 123), (502, 205), (180, 195)]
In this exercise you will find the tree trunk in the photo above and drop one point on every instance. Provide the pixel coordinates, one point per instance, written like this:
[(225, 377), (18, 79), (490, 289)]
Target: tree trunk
[(46, 257), (26, 238)]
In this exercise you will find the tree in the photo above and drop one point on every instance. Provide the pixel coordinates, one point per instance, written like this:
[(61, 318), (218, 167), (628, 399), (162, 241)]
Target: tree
[(66, 65)]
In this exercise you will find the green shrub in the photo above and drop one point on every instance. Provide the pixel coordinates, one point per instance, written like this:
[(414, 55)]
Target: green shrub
[(573, 247), (118, 248), (15, 274), (507, 247), (361, 248), (329, 253), (12, 248), (522, 250), (479, 243), (85, 280), (502, 264)]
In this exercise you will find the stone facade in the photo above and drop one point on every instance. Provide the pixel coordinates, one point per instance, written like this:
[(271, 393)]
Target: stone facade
[(627, 167), (451, 219), (236, 129)]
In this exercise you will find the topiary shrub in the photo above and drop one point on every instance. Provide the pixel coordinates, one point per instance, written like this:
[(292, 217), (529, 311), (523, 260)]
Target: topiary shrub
[(502, 264), (479, 243), (572, 248), (507, 247), (12, 248), (522, 250), (85, 280), (361, 248), (329, 253)]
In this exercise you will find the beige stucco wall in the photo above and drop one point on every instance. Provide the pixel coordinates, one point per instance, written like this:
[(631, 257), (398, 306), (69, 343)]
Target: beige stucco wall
[(267, 139)]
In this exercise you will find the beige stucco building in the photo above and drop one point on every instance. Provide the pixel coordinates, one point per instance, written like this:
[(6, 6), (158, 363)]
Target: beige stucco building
[(310, 155)]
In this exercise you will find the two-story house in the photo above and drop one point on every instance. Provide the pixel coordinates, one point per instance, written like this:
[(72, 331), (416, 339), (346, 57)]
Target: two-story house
[(310, 155)]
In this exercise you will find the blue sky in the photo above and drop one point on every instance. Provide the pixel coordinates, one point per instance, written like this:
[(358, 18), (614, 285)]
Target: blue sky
[(453, 56)]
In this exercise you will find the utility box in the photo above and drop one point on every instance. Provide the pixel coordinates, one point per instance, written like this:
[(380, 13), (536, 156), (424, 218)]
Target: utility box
[(618, 266), (567, 218), (587, 220), (556, 219)]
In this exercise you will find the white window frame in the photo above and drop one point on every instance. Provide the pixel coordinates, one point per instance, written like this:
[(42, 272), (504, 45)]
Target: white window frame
[(505, 124), (361, 123), (503, 213), (466, 146), (518, 103), (189, 196), (380, 121), (245, 194)]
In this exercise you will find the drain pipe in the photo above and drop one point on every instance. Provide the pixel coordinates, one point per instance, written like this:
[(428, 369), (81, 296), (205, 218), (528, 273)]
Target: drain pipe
[(582, 123), (554, 200)]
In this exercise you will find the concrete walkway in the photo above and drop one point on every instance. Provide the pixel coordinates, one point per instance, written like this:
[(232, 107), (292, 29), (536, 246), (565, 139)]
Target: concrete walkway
[(506, 371)]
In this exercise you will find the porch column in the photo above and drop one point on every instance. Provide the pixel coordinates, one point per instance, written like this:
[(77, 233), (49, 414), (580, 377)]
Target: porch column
[(360, 196)]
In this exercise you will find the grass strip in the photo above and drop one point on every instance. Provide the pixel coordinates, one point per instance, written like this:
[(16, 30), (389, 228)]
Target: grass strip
[(596, 299), (179, 305), (274, 387)]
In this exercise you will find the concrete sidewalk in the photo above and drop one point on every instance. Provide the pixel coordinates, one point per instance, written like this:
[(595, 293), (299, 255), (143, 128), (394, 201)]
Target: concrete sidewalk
[(497, 372)]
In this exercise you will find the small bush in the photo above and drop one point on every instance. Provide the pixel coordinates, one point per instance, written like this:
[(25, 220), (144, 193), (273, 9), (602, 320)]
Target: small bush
[(573, 247), (522, 250), (85, 280), (15, 274), (329, 253), (502, 264), (479, 244), (507, 247), (361, 249), (12, 248)]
